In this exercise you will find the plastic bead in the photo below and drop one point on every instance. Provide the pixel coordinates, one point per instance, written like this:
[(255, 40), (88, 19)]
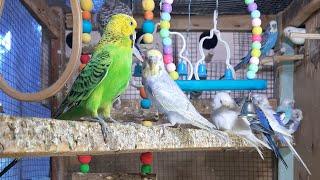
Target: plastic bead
[(165, 16), (84, 159), (165, 25), (148, 15), (255, 14), (167, 50), (256, 22), (86, 38), (254, 60), (168, 1), (87, 26), (257, 30), (167, 41), (84, 58), (145, 103), (146, 169), (86, 5), (86, 15), (146, 158), (256, 38), (164, 33), (148, 5), (256, 53), (171, 67), (254, 68), (251, 75), (256, 45), (148, 26), (166, 7), (248, 2), (147, 123), (167, 58), (143, 93), (84, 168), (148, 38), (252, 7), (174, 75)]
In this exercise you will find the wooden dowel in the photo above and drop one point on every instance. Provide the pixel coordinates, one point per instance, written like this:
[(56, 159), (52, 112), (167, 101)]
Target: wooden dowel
[(305, 35), (279, 59)]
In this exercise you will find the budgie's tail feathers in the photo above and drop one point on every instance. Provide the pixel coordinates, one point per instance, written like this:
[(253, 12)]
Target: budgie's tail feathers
[(296, 154), (275, 149)]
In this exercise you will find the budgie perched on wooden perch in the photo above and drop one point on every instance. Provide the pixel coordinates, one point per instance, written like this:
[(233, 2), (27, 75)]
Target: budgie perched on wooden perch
[(105, 77)]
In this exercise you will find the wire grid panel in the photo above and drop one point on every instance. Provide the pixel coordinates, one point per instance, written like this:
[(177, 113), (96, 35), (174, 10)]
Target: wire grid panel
[(200, 165), (24, 60), (239, 43)]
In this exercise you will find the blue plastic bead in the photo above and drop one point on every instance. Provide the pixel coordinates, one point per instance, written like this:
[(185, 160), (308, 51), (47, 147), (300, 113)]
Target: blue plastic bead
[(145, 103), (255, 14), (228, 74), (182, 69), (148, 26), (202, 71), (251, 75), (167, 41), (86, 26), (165, 16), (137, 70)]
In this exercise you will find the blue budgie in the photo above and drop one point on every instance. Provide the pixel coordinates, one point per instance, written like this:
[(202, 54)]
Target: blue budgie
[(168, 98), (269, 40), (267, 114), (285, 111)]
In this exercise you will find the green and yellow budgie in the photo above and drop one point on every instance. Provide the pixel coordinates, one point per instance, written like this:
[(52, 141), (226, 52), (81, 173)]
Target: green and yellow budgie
[(105, 77)]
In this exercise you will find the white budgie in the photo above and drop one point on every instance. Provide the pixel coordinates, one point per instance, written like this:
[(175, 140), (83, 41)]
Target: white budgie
[(169, 99), (226, 118), (290, 29)]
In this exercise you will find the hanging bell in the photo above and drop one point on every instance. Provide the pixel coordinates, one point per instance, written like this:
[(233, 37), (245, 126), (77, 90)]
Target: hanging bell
[(248, 109), (182, 69), (202, 71), (137, 72), (228, 74)]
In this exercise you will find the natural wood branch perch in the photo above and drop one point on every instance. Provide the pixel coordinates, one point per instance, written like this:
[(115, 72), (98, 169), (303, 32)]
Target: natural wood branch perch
[(283, 58), (47, 137)]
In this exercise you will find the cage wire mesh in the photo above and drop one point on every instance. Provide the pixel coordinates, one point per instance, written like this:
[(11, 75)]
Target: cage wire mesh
[(24, 64)]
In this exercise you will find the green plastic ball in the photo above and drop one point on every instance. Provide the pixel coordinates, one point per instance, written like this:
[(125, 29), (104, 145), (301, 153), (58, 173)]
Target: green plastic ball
[(248, 2), (146, 169), (253, 68), (256, 45), (84, 168), (164, 33)]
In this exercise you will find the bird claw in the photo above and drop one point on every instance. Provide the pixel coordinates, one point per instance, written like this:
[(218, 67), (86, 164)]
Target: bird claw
[(113, 120), (104, 128)]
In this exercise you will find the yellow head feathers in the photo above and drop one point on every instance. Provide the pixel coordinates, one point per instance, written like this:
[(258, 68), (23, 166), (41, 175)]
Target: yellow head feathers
[(122, 25)]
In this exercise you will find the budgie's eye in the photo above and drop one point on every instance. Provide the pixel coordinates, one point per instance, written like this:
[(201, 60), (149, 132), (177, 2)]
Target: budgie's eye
[(131, 23)]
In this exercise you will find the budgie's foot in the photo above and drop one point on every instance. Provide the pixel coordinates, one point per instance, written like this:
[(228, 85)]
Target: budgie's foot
[(104, 128), (112, 120), (166, 125)]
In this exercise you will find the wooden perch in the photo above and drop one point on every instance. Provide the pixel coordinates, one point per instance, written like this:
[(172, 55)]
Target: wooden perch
[(283, 58), (47, 137), (119, 176), (305, 35)]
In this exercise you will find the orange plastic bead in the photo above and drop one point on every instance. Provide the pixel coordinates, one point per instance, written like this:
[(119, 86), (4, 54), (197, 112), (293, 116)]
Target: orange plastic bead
[(148, 15), (143, 93), (81, 67), (86, 15)]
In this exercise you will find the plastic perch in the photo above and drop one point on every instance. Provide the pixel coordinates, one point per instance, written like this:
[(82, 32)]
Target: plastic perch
[(221, 85)]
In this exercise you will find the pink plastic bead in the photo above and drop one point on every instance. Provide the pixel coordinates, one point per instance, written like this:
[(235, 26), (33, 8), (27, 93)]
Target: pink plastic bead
[(171, 67), (256, 22), (167, 58), (254, 60), (257, 38)]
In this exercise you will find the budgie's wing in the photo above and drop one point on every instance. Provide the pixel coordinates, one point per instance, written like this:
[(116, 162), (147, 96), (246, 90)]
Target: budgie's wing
[(87, 81), (269, 40), (170, 98)]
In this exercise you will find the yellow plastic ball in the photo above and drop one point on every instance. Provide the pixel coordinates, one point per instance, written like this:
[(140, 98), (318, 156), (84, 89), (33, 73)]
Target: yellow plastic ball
[(256, 53), (86, 5), (147, 123), (148, 38), (148, 5), (174, 75), (86, 38), (165, 25), (257, 30)]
